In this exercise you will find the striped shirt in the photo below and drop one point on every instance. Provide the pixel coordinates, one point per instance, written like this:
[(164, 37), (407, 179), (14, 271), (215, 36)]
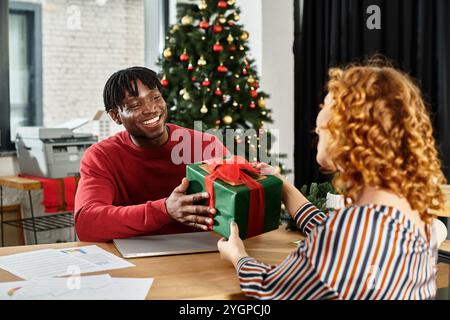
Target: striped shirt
[(359, 252)]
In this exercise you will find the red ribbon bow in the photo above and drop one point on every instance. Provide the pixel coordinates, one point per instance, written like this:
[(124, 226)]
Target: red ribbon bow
[(235, 170)]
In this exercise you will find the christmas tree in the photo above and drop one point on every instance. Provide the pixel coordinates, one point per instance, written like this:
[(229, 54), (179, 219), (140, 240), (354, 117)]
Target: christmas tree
[(208, 76)]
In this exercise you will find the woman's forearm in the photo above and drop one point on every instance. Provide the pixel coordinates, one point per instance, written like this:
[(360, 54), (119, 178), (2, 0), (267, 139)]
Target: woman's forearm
[(293, 199)]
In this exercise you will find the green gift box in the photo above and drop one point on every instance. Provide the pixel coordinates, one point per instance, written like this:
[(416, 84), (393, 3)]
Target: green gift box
[(232, 202)]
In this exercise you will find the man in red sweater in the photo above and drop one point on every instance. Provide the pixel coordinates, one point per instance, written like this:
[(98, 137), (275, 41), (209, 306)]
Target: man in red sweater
[(130, 182)]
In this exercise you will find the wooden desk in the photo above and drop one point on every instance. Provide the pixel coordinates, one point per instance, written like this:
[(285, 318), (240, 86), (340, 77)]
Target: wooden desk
[(19, 183), (196, 276), (193, 276)]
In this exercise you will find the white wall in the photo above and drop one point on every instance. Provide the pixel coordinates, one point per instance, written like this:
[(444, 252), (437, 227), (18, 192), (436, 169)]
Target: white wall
[(251, 19), (278, 71), (8, 166), (271, 27)]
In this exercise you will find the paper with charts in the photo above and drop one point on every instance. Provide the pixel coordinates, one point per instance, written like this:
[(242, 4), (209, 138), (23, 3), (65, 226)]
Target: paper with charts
[(102, 287), (61, 262)]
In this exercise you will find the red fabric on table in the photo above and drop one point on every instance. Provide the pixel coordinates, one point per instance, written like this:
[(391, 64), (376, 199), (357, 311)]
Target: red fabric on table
[(70, 188), (54, 200)]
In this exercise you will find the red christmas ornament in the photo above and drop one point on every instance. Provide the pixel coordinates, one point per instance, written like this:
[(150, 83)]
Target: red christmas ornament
[(218, 92), (238, 88), (184, 57), (190, 67), (222, 68), (241, 107), (253, 105), (232, 49), (222, 4), (231, 23), (204, 24), (256, 85), (164, 82), (254, 94), (217, 28), (244, 71), (194, 78), (206, 83), (217, 47)]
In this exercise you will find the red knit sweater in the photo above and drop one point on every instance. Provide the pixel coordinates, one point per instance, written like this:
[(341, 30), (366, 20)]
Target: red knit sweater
[(123, 188)]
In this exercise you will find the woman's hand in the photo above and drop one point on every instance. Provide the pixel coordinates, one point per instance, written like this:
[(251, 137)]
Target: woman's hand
[(267, 169), (233, 249)]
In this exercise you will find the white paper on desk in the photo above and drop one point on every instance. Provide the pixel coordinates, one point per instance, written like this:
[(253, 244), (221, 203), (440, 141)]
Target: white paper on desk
[(45, 263), (101, 287), (103, 259), (46, 288)]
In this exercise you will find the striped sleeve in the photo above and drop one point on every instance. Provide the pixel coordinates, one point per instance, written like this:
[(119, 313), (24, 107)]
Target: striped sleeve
[(318, 269), (357, 253), (308, 217), (295, 278)]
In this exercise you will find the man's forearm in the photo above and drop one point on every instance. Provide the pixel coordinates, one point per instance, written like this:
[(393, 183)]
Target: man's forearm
[(101, 223)]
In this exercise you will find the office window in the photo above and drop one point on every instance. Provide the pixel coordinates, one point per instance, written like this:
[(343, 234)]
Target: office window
[(24, 62)]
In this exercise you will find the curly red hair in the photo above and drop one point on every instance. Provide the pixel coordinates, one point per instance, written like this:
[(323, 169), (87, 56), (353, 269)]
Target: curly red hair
[(381, 136)]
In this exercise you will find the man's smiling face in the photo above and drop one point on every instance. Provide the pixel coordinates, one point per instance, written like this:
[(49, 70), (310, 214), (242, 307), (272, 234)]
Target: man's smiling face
[(144, 116)]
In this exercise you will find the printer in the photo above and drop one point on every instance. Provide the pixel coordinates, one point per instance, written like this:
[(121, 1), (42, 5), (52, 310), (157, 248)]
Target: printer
[(51, 152)]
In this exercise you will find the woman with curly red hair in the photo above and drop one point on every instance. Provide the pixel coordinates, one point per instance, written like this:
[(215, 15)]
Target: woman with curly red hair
[(376, 136)]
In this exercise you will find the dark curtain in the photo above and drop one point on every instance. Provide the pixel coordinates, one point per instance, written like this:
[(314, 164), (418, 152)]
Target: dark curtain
[(415, 35)]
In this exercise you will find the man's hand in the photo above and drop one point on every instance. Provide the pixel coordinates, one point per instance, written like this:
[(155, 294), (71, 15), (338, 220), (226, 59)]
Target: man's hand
[(233, 249), (182, 209)]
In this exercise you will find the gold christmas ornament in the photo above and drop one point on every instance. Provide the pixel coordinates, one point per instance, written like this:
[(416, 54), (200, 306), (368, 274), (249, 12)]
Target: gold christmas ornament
[(231, 57), (186, 20), (182, 91), (202, 5), (227, 120), (222, 19), (186, 96), (204, 109), (262, 102), (201, 62), (235, 104), (241, 47), (168, 53), (231, 2), (251, 80), (175, 28), (244, 36), (230, 39), (237, 17)]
